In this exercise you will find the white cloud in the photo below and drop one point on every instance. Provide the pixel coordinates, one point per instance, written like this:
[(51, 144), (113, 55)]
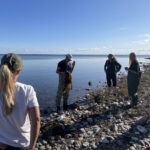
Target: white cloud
[(147, 40)]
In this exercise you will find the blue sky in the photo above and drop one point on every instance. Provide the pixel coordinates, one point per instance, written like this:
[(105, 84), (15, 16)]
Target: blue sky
[(75, 26)]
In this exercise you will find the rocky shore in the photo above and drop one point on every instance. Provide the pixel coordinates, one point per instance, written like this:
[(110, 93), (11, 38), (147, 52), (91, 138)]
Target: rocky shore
[(101, 121)]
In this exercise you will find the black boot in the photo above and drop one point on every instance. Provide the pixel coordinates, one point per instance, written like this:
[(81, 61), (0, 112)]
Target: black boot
[(65, 107), (134, 100), (58, 109)]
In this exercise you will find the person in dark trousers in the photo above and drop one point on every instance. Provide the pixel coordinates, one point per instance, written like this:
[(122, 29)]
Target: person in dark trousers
[(111, 68), (64, 70), (133, 78)]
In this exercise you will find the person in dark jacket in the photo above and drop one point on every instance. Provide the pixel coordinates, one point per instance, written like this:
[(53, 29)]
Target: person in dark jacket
[(64, 70), (111, 68), (133, 78)]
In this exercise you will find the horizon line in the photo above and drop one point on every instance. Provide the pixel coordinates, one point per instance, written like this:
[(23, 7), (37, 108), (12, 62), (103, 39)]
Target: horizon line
[(74, 54)]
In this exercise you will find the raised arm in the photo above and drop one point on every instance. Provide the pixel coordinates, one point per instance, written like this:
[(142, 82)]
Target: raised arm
[(73, 65), (34, 115)]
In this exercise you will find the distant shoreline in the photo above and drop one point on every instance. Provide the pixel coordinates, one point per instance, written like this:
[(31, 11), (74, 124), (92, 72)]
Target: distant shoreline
[(84, 55)]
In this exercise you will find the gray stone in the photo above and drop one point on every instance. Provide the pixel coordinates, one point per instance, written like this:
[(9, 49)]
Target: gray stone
[(137, 133), (71, 142), (114, 128), (82, 130), (68, 135), (85, 144), (110, 138), (90, 132), (141, 142), (65, 148), (77, 144), (141, 129), (142, 120), (119, 116), (96, 129), (132, 148), (104, 140), (48, 147), (42, 147), (44, 142), (134, 138), (80, 138), (109, 116), (93, 145), (87, 96)]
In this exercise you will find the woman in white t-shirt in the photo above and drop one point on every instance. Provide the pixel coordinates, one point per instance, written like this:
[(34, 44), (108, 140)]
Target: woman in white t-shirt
[(19, 108)]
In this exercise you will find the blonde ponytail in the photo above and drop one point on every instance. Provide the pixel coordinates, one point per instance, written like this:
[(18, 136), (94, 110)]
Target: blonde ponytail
[(7, 89)]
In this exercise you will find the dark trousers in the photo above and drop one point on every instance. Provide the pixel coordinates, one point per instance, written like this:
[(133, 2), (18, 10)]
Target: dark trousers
[(133, 83), (111, 78), (60, 93)]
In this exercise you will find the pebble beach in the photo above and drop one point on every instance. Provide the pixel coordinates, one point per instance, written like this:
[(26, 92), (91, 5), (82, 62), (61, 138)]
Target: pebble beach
[(101, 120)]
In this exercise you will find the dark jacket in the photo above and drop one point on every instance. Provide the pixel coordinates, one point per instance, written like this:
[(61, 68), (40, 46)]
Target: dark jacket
[(135, 66), (65, 66), (133, 79), (112, 67)]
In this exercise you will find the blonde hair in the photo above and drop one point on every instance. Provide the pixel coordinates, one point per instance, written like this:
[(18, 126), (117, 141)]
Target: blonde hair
[(7, 89), (133, 55), (112, 57)]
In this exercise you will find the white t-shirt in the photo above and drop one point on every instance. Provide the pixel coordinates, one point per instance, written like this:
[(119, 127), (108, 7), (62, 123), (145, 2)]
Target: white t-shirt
[(15, 128)]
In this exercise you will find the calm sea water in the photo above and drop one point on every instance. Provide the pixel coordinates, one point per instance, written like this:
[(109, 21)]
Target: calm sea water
[(40, 72)]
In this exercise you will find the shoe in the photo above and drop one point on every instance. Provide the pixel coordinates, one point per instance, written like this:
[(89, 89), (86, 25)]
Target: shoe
[(58, 109), (65, 107)]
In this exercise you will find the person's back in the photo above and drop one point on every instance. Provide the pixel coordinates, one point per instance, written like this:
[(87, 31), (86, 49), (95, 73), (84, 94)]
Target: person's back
[(111, 66), (19, 113), (15, 128)]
